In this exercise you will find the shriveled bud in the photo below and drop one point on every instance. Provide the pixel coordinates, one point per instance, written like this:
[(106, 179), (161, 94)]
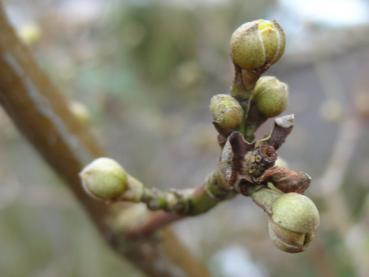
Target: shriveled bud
[(286, 180), (270, 96), (104, 179), (257, 44), (226, 111), (293, 222)]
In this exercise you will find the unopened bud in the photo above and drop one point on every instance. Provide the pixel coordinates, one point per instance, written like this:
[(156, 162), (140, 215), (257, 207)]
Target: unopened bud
[(270, 96), (104, 179), (293, 222), (226, 111), (80, 111), (257, 44)]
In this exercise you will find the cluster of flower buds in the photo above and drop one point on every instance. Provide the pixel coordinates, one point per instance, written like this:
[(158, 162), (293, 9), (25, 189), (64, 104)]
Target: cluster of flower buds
[(255, 46), (246, 166)]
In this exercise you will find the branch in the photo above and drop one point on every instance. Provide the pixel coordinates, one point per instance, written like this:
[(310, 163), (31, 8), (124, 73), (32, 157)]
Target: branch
[(183, 202), (42, 114)]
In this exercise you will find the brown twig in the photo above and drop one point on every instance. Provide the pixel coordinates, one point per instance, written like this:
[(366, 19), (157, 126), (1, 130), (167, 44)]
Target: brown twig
[(282, 128)]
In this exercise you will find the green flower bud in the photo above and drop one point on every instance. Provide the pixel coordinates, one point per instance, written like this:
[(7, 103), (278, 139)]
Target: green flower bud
[(226, 111), (270, 96), (293, 222), (257, 44), (104, 179)]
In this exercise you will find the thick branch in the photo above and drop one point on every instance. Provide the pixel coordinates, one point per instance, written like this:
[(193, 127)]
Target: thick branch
[(41, 113)]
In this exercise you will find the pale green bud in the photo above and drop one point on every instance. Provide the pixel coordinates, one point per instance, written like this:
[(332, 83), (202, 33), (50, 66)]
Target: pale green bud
[(226, 111), (270, 96), (80, 111), (257, 44), (104, 179), (293, 222)]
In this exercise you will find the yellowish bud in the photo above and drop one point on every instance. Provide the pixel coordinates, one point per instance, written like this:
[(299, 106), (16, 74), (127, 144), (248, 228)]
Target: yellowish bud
[(226, 111), (80, 111), (104, 179), (257, 44), (293, 222), (30, 33)]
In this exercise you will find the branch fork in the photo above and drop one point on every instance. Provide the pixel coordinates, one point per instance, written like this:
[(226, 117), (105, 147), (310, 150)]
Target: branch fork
[(247, 165)]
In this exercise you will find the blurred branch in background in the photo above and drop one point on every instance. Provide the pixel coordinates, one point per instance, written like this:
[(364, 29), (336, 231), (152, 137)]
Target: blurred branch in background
[(42, 114), (351, 126), (337, 210)]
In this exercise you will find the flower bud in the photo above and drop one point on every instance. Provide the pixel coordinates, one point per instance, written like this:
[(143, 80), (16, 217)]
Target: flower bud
[(293, 222), (270, 96), (80, 111), (226, 111), (257, 44), (104, 179)]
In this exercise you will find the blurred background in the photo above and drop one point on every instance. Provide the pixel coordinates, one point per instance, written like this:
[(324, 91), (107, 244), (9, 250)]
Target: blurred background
[(145, 70)]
